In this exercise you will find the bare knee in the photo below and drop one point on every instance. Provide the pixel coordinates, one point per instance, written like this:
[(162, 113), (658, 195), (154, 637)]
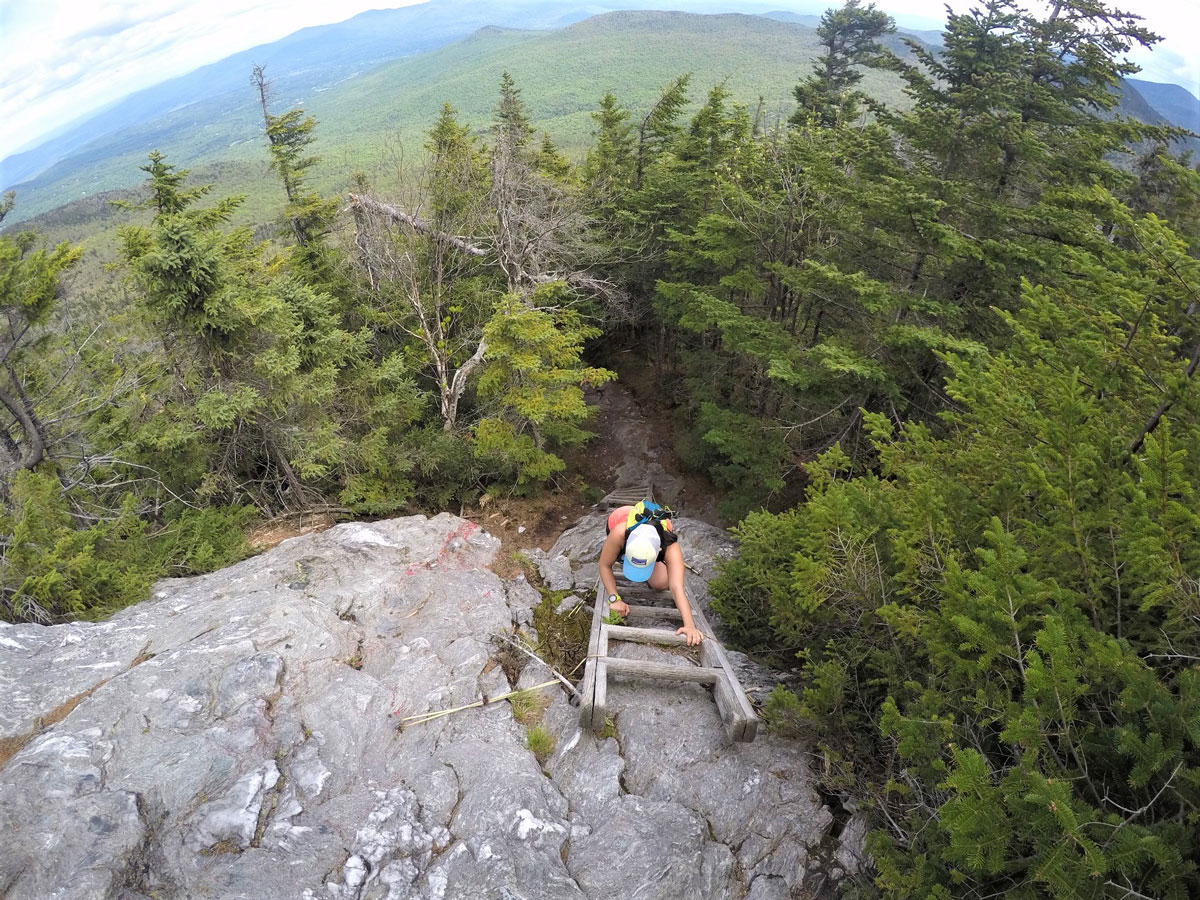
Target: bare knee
[(658, 578)]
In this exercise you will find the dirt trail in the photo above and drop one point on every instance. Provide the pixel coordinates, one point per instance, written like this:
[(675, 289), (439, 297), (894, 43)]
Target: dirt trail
[(635, 447)]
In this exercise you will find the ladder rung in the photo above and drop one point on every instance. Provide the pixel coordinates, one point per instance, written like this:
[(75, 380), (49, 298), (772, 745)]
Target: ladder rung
[(654, 612), (666, 671), (644, 635)]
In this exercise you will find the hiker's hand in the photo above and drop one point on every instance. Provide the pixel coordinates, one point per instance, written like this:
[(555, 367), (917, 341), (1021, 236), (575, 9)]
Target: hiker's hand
[(621, 608), (693, 635)]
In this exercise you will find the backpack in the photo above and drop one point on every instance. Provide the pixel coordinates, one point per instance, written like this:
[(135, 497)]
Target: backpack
[(647, 512)]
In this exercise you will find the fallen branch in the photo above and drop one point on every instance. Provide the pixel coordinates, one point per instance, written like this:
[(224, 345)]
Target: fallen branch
[(417, 224), (570, 687), (422, 718)]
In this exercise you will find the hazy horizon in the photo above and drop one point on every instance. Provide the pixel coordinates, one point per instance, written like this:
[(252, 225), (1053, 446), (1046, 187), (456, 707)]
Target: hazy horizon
[(69, 60)]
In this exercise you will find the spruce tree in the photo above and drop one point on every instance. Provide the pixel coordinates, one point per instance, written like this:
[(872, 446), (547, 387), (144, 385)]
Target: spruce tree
[(249, 356), (997, 646), (30, 277), (608, 169), (289, 138), (849, 36)]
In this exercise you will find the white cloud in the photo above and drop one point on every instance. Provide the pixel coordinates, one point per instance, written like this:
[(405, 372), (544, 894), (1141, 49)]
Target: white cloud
[(63, 59)]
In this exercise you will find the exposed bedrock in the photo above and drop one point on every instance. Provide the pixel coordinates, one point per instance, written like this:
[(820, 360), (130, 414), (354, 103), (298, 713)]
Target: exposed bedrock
[(236, 736)]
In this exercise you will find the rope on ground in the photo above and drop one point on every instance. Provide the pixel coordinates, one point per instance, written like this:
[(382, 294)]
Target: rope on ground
[(422, 718)]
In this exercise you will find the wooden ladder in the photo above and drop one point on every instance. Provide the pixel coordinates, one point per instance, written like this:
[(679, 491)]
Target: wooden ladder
[(741, 722)]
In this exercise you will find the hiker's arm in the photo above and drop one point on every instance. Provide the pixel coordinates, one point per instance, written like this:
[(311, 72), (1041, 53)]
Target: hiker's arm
[(673, 557), (608, 556)]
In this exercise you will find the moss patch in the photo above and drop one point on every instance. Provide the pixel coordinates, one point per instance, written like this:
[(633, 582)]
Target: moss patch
[(562, 640)]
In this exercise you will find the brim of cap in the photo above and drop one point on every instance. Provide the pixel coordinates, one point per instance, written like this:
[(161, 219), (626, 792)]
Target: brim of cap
[(638, 573)]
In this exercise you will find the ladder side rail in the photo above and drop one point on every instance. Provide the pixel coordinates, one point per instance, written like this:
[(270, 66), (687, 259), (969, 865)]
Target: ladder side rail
[(739, 715), (587, 687), (600, 703)]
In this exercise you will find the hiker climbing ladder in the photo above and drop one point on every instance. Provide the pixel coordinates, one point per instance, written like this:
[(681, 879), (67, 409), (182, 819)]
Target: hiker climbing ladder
[(741, 722)]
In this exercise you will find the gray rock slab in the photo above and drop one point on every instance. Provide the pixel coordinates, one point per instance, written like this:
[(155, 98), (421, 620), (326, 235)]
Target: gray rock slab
[(238, 735), (581, 543), (556, 572), (523, 598)]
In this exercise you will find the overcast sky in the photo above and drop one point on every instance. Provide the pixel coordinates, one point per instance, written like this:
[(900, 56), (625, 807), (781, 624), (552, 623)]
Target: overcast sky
[(60, 59)]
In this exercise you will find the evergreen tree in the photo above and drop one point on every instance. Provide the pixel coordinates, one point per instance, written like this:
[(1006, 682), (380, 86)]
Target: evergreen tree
[(996, 638), (660, 125), (289, 137), (29, 286), (250, 355), (532, 386), (608, 169), (849, 36)]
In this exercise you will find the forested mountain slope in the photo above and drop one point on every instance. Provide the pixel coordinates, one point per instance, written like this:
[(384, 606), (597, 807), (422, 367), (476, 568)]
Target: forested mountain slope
[(563, 74), (308, 60)]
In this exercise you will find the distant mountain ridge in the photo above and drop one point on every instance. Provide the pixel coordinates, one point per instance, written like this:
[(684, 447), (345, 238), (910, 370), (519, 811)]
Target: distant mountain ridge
[(321, 55), (360, 108), (637, 52), (1173, 102), (304, 60)]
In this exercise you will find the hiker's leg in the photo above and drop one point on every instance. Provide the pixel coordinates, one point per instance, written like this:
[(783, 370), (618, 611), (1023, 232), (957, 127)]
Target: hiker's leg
[(658, 578)]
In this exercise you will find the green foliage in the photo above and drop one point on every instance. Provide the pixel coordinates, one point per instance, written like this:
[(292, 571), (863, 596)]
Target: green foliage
[(249, 356), (608, 170), (997, 627), (29, 286), (195, 541), (541, 742), (849, 36), (783, 713), (309, 215), (533, 383), (53, 570)]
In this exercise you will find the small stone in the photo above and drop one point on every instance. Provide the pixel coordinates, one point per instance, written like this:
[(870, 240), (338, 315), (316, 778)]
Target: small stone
[(520, 529)]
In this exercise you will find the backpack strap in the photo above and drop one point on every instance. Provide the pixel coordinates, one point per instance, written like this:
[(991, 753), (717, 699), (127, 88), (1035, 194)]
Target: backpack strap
[(647, 512)]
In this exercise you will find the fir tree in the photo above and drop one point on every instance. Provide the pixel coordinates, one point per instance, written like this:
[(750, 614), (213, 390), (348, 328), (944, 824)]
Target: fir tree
[(290, 137), (29, 287), (250, 355), (608, 170), (849, 36)]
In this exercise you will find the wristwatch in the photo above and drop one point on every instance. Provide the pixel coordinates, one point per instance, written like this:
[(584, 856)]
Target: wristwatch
[(613, 598)]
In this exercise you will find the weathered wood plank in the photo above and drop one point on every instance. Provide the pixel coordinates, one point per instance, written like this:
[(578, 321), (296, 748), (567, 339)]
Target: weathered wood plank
[(627, 496), (654, 612), (738, 714), (600, 704), (629, 592), (645, 669), (587, 687), (644, 635)]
